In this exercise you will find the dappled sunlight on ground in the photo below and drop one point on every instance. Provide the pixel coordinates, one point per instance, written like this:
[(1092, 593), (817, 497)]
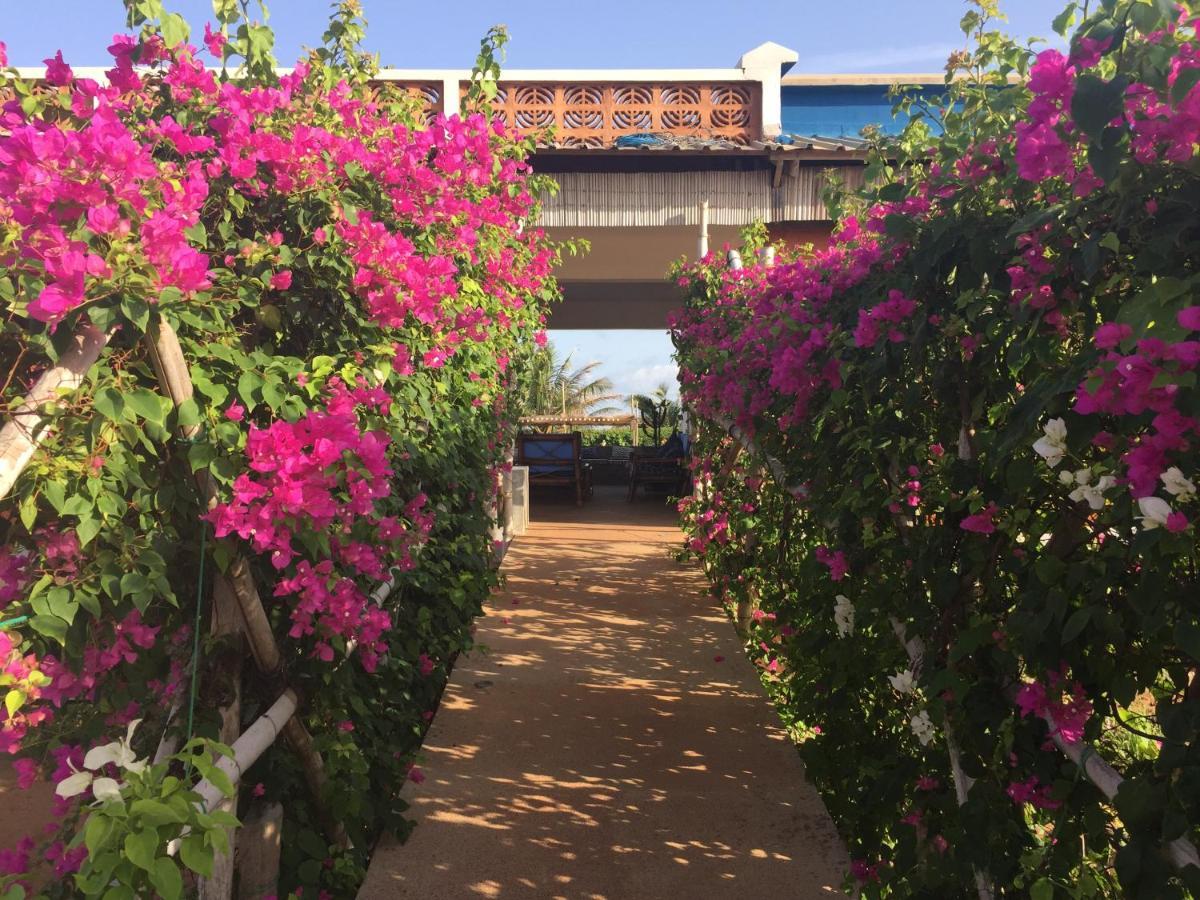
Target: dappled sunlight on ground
[(597, 748)]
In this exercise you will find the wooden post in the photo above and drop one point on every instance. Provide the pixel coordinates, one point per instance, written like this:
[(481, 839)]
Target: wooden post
[(227, 627), (258, 852)]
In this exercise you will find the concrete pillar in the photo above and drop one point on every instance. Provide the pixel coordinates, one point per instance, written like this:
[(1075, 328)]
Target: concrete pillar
[(766, 64)]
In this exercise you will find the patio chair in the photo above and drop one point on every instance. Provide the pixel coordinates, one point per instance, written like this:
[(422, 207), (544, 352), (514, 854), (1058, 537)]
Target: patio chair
[(555, 460), (660, 465)]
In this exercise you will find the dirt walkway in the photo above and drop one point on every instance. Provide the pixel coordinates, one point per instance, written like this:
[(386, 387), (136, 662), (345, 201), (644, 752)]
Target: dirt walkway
[(601, 750)]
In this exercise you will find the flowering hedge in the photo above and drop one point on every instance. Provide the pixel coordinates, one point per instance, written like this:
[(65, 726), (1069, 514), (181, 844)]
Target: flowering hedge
[(352, 287), (948, 472)]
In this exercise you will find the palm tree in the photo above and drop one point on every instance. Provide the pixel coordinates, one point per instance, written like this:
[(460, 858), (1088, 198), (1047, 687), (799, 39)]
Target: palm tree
[(552, 387), (658, 412)]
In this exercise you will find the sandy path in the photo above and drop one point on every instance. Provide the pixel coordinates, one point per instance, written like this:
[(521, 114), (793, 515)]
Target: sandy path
[(599, 750)]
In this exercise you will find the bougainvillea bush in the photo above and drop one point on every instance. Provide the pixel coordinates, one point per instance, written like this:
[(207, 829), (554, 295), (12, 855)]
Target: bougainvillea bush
[(947, 472), (353, 284)]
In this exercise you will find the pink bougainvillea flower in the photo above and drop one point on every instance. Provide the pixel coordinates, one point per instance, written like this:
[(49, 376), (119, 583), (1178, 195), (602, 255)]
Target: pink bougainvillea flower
[(416, 775), (281, 280), (27, 772), (1189, 318), (235, 412), (214, 40), (259, 790), (58, 73), (982, 522)]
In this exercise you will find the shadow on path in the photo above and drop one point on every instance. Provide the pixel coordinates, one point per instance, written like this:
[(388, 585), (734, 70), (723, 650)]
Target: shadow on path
[(599, 749)]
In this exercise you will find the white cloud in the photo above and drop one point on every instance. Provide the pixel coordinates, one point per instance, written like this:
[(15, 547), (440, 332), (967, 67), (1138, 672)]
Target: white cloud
[(645, 379)]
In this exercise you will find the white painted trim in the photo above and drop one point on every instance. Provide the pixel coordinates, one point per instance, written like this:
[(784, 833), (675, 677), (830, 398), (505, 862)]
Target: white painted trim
[(571, 75)]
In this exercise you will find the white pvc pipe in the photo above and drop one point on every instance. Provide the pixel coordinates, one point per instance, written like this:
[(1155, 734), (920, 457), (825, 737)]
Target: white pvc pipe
[(250, 746), (702, 248), (24, 431)]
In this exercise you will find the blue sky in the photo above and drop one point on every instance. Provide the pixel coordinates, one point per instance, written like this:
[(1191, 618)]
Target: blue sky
[(864, 35), (859, 36)]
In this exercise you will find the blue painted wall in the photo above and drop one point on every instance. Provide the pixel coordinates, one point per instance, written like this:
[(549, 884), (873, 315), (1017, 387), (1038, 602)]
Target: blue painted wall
[(841, 110)]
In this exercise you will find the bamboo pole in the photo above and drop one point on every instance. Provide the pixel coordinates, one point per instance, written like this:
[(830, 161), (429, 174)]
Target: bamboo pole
[(25, 429), (1181, 852), (166, 356)]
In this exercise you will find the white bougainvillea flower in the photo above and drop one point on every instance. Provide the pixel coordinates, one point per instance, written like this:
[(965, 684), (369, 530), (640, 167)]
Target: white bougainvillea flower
[(119, 753), (1177, 484), (1093, 493), (922, 727), (1052, 445), (1155, 512), (106, 789), (904, 682), (74, 785), (1067, 477), (843, 615)]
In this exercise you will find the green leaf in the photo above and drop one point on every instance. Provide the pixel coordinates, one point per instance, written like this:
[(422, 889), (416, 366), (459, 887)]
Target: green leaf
[(141, 847), (13, 701), (51, 626), (96, 833), (137, 585), (63, 604), (312, 843), (174, 29), (154, 813), (55, 492), (166, 878), (1075, 624), (87, 529), (196, 854), (1042, 889), (1187, 636), (1097, 102), (1187, 79), (29, 511), (188, 413), (137, 310), (1064, 20), (1140, 803), (109, 403), (147, 404), (250, 388)]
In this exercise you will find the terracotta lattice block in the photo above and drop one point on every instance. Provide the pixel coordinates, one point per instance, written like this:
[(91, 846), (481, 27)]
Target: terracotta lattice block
[(594, 115)]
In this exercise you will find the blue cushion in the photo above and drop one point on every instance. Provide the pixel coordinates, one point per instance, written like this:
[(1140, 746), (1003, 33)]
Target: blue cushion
[(548, 450)]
